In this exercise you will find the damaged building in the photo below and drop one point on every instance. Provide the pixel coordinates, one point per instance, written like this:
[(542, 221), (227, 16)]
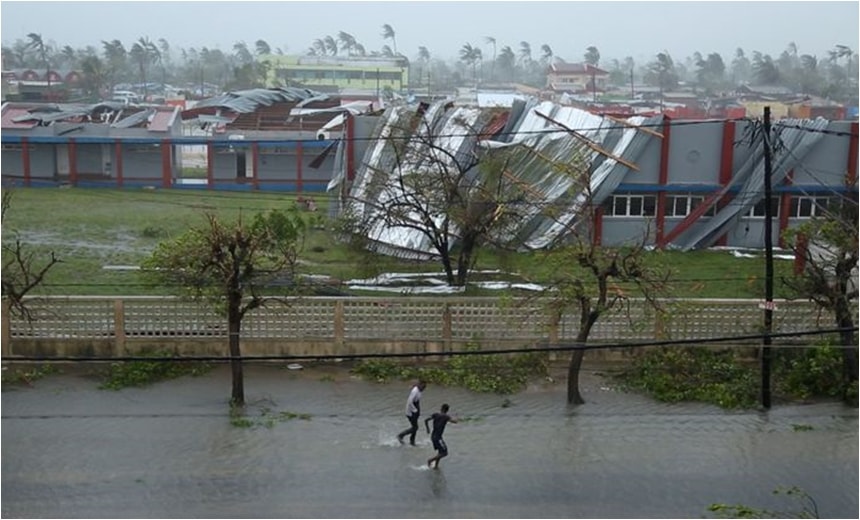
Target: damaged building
[(106, 143), (260, 139), (679, 184)]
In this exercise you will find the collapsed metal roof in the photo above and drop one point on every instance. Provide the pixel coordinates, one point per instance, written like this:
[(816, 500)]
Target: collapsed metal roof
[(114, 114), (537, 138), (797, 135), (247, 101)]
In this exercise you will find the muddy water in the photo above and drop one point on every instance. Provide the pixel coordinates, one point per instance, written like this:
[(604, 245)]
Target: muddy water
[(170, 450)]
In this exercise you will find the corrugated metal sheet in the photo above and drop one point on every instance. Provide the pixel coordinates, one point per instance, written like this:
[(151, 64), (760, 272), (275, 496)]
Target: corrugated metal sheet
[(545, 161), (797, 136), (534, 147), (247, 101)]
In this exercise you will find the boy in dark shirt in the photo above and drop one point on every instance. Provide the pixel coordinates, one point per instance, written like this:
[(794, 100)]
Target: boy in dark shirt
[(440, 419)]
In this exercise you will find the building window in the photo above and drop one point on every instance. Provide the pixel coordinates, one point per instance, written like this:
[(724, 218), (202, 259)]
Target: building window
[(630, 206), (808, 207), (683, 205), (758, 210)]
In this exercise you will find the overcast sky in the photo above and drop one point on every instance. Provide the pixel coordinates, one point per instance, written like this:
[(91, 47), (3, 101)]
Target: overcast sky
[(617, 29)]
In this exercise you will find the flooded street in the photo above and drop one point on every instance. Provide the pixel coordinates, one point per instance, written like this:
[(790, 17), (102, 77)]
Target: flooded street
[(71, 450)]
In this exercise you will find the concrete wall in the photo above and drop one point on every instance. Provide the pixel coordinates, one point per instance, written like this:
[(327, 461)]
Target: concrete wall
[(276, 166)]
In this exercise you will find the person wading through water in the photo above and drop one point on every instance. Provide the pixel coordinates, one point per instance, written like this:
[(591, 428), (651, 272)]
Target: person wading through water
[(413, 410)]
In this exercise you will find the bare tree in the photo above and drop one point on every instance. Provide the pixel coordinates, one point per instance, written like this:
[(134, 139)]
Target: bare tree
[(230, 265), (23, 269), (457, 200)]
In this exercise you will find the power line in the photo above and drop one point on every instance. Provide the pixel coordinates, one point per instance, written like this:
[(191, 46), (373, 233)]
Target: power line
[(558, 347)]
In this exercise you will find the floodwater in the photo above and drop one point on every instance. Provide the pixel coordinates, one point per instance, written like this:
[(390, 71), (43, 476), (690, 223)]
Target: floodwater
[(170, 451)]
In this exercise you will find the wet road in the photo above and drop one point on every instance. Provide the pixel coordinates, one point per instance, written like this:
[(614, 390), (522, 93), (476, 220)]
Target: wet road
[(170, 450)]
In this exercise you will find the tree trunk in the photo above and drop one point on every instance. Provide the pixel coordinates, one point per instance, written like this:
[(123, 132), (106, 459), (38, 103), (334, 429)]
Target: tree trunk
[(573, 394), (234, 326), (464, 259), (449, 270)]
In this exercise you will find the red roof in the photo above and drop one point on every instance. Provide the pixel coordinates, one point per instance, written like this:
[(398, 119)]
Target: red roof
[(12, 112), (162, 118)]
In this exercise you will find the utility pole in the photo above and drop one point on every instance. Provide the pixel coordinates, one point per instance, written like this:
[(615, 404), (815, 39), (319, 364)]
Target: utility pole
[(632, 90), (594, 84), (768, 266)]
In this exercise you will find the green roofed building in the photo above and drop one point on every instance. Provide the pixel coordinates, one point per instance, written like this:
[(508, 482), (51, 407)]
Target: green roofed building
[(356, 74)]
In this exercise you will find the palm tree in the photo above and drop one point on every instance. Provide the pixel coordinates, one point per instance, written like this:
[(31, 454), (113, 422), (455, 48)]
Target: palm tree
[(592, 55), (115, 58), (347, 41), (318, 48), (525, 52), (360, 50), (507, 61), (240, 49), (388, 34), (94, 76), (330, 45), (143, 52), (470, 55), (764, 69), (492, 41), (546, 54), (37, 44), (386, 52), (262, 48), (69, 56)]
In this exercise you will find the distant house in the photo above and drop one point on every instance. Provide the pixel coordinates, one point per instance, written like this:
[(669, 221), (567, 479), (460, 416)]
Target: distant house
[(39, 84), (576, 77)]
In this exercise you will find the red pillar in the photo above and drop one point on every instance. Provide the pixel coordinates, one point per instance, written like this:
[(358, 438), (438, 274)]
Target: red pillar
[(210, 165), (73, 162), (800, 253), (117, 151), (299, 154), (255, 174), (784, 207), (727, 159), (25, 159), (663, 178), (166, 171)]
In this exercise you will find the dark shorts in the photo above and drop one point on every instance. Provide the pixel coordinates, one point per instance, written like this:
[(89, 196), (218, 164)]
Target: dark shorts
[(440, 446)]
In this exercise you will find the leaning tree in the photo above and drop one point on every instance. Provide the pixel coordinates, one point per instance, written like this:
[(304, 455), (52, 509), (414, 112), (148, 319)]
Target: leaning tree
[(231, 265), (593, 280), (584, 276)]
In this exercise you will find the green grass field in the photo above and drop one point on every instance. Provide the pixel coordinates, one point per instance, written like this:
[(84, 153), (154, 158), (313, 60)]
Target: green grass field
[(91, 229)]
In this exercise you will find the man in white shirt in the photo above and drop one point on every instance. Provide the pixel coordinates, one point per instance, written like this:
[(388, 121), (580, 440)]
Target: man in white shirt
[(413, 410)]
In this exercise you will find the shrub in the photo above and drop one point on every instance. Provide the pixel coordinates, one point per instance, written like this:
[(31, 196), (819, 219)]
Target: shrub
[(141, 373), (497, 373)]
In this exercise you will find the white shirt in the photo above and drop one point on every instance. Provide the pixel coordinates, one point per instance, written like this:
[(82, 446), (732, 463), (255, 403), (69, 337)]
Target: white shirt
[(412, 400)]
